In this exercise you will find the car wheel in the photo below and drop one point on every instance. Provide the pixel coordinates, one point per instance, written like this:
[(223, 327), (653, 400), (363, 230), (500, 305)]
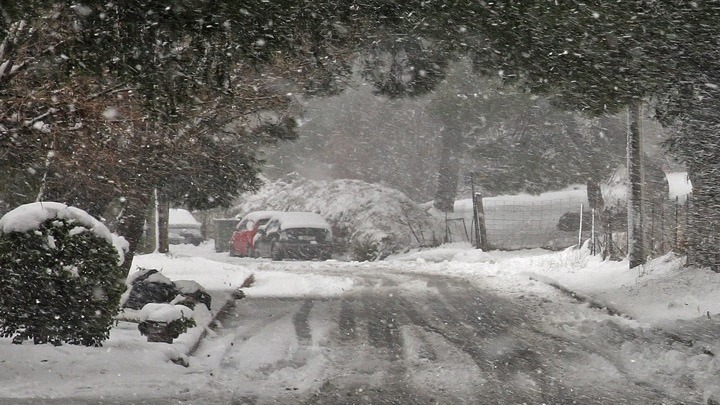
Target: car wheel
[(232, 252), (275, 252)]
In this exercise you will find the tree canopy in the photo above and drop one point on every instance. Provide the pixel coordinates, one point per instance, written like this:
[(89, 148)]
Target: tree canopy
[(177, 74)]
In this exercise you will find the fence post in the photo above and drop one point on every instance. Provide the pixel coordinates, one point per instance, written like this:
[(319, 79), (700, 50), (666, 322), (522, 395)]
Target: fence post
[(481, 233), (689, 240), (592, 232), (608, 232), (447, 229), (476, 220), (677, 223), (663, 231), (579, 244)]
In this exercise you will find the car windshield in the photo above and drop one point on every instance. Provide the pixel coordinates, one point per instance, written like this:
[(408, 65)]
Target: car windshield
[(359, 202)]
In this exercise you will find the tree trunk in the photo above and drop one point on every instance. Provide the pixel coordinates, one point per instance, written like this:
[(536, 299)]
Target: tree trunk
[(448, 171), (131, 226), (704, 220), (636, 182), (163, 216)]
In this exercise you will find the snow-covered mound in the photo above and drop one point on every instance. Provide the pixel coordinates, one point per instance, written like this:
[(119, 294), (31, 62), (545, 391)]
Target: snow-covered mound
[(364, 215), (32, 215)]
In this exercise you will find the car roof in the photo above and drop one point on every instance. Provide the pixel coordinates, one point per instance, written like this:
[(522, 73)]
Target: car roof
[(179, 216), (258, 215), (301, 219)]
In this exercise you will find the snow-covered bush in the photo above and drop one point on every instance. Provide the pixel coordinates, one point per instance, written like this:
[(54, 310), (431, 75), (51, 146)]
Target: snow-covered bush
[(371, 220), (191, 293), (367, 245), (147, 286), (60, 275), (165, 322)]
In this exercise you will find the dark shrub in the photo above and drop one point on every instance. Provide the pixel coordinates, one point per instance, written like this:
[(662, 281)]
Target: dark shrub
[(363, 250), (149, 286), (59, 282), (371, 245)]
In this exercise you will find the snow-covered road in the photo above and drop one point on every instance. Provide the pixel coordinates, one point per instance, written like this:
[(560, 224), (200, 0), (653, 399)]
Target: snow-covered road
[(427, 339), (446, 325)]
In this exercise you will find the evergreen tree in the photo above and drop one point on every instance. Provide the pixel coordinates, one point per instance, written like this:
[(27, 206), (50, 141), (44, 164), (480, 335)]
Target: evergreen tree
[(515, 141), (183, 68)]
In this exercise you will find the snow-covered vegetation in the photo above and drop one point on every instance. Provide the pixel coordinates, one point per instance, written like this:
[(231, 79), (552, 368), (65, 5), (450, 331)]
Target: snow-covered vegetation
[(60, 275), (372, 220)]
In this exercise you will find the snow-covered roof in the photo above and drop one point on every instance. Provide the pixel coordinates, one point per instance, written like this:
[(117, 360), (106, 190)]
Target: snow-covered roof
[(298, 219), (179, 216)]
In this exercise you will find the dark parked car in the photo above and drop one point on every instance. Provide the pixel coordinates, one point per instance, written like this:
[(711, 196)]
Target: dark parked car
[(242, 241), (295, 235), (184, 228)]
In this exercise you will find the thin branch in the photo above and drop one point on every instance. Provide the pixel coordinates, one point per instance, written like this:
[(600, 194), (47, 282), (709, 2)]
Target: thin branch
[(113, 90)]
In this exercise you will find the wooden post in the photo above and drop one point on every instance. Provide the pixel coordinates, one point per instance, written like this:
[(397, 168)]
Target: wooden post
[(481, 230), (608, 232), (476, 224)]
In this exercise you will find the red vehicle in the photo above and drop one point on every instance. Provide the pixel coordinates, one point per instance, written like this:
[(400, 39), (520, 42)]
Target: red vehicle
[(241, 243)]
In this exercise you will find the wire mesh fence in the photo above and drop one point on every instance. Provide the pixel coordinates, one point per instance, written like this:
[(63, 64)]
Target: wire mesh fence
[(519, 222), (525, 222), (665, 226)]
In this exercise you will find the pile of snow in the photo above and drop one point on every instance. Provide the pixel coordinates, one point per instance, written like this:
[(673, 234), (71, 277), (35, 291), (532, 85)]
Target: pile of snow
[(159, 312), (211, 274), (356, 210), (449, 252)]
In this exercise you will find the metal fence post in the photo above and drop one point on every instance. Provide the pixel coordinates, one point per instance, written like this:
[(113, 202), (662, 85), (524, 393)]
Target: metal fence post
[(580, 228)]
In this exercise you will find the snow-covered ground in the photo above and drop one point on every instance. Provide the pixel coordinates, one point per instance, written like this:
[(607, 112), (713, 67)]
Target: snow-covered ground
[(662, 294)]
